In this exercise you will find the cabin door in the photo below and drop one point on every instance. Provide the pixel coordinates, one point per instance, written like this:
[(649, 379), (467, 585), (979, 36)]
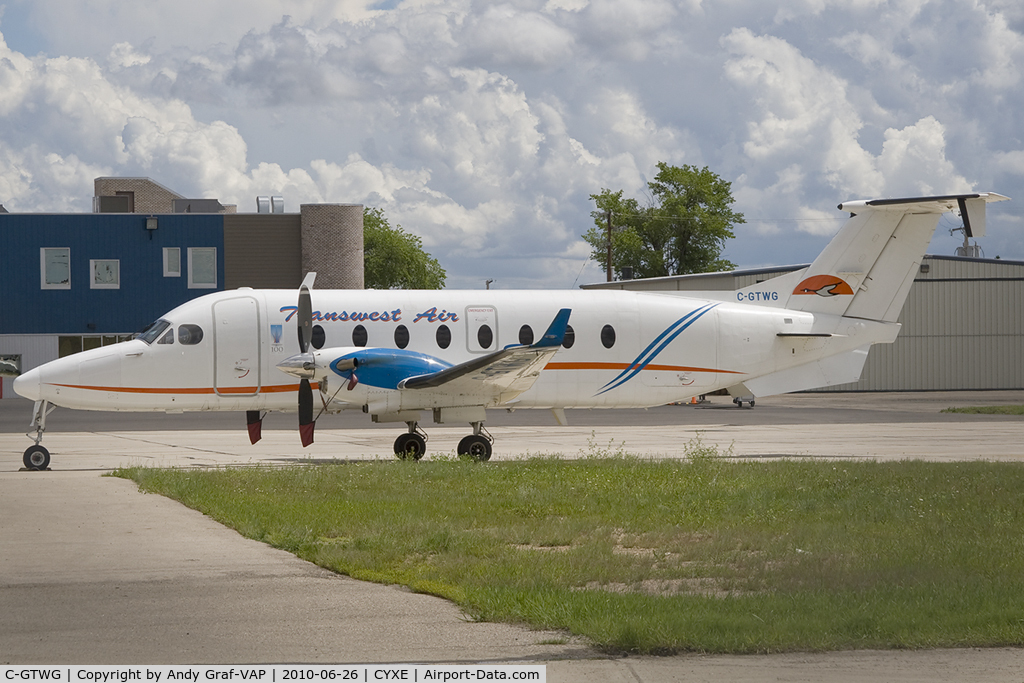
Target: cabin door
[(236, 344)]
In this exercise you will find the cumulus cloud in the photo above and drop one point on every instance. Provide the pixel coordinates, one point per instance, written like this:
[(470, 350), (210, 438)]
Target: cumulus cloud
[(484, 127)]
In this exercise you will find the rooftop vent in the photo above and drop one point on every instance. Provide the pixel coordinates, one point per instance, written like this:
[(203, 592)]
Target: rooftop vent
[(266, 204)]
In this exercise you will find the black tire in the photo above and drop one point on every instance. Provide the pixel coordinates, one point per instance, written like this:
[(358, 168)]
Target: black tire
[(476, 447), (751, 403), (36, 458), (410, 446)]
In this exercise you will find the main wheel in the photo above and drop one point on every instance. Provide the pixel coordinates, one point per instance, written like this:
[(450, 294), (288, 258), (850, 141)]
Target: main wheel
[(410, 446), (476, 447), (36, 458)]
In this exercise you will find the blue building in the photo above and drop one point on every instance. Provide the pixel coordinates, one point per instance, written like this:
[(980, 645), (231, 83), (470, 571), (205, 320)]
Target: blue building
[(78, 281)]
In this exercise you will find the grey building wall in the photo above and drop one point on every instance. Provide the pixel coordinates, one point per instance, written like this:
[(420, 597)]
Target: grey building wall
[(150, 196), (263, 251), (332, 244), (963, 328), (963, 324)]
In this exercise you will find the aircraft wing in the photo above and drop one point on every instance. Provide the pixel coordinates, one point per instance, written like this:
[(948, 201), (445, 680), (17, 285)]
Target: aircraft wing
[(511, 370)]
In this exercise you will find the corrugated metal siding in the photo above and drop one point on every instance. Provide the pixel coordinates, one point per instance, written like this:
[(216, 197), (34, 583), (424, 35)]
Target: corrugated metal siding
[(35, 349), (963, 326), (262, 251)]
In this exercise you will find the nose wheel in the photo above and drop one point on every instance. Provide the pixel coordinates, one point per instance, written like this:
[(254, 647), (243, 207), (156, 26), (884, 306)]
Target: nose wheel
[(36, 456)]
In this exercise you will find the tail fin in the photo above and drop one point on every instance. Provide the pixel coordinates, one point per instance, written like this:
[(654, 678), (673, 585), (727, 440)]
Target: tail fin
[(867, 269)]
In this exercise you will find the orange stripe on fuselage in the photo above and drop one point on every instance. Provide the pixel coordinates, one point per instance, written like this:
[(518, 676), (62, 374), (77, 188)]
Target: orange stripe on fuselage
[(283, 388), (625, 366), (276, 389)]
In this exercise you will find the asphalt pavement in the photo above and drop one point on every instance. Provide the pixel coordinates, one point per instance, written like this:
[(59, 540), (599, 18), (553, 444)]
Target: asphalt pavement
[(94, 572)]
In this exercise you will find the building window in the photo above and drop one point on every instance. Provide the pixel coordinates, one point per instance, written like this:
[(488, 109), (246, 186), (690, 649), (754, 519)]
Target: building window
[(106, 274), (202, 267), (10, 364), (172, 262), (55, 267), (71, 344)]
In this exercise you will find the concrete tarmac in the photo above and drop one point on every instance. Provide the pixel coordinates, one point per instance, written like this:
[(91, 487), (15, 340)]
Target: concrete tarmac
[(94, 572)]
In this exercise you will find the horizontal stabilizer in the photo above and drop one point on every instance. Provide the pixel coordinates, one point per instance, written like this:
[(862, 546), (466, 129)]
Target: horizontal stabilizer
[(828, 371), (867, 269)]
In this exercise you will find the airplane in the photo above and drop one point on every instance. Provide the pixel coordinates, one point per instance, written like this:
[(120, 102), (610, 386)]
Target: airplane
[(395, 354)]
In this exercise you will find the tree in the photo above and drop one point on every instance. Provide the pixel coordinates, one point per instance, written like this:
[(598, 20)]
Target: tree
[(683, 230), (394, 259)]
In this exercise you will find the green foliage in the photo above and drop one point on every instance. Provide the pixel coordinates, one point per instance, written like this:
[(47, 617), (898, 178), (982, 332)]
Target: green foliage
[(682, 231), (703, 554), (988, 410), (394, 259)]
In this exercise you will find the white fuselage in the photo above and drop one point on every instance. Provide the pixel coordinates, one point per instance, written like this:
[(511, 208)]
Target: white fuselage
[(628, 349)]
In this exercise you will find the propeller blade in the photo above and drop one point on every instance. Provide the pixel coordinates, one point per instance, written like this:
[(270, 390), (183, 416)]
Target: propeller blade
[(306, 422), (305, 318), (254, 423)]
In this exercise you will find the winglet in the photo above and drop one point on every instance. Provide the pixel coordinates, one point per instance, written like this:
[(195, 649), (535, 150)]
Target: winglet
[(555, 333)]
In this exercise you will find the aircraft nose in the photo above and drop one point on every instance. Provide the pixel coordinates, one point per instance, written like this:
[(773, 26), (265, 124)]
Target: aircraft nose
[(27, 384)]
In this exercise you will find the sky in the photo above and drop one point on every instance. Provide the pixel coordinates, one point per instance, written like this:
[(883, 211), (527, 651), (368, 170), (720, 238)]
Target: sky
[(484, 127)]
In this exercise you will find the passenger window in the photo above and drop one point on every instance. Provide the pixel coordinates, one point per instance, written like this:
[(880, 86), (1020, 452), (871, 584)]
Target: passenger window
[(401, 336), (570, 337), (444, 337), (319, 337), (525, 335), (189, 335), (608, 336), (485, 337), (359, 336), (168, 337)]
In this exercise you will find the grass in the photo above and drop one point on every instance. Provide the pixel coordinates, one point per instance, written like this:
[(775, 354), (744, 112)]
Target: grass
[(645, 556), (987, 410)]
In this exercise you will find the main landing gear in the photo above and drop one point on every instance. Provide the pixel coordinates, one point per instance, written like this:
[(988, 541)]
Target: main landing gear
[(36, 456), (413, 444)]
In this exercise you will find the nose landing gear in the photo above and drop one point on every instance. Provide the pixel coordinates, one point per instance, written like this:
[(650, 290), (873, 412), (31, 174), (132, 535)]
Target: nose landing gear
[(36, 457)]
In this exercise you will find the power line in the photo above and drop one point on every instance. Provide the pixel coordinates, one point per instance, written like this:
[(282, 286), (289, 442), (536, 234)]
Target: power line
[(745, 219)]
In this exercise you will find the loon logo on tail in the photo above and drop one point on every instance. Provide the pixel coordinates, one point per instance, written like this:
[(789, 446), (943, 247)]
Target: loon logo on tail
[(823, 285)]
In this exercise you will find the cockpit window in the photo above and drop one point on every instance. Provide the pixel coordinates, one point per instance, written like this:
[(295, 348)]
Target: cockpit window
[(190, 334), (168, 337), (151, 332)]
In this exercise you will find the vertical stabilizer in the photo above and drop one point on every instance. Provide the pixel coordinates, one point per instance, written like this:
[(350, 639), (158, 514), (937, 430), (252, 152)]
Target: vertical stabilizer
[(867, 269)]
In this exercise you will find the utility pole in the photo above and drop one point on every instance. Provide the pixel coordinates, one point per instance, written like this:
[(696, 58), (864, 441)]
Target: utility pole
[(608, 215)]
